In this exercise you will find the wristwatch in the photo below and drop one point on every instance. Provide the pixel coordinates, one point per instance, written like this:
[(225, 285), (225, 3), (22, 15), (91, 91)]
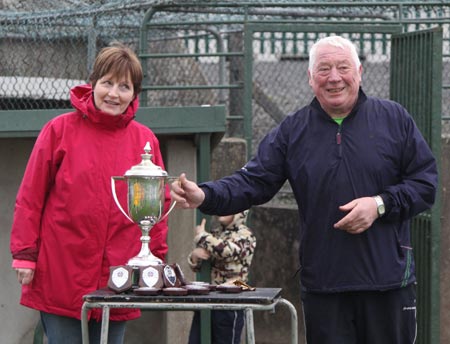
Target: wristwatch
[(380, 206)]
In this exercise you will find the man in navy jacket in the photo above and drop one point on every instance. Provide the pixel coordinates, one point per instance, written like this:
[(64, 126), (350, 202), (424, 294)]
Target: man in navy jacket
[(360, 170)]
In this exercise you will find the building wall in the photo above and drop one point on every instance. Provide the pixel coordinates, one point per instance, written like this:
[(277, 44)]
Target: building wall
[(16, 322)]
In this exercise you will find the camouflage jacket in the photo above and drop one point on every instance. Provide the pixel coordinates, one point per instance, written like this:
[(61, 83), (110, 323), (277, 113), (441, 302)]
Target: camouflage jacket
[(231, 249)]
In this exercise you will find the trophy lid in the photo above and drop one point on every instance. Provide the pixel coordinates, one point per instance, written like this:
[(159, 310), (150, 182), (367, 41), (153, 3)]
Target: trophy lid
[(146, 168)]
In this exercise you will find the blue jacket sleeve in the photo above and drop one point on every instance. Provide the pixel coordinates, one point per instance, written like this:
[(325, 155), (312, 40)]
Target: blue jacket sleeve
[(256, 183), (418, 182)]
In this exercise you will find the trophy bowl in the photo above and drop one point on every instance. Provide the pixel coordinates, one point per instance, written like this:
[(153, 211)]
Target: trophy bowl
[(146, 184)]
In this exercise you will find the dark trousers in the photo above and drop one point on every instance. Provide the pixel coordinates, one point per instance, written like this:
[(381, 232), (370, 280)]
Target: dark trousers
[(65, 330), (367, 317), (226, 327)]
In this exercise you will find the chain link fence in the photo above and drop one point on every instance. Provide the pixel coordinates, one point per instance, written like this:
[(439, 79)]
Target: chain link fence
[(193, 53)]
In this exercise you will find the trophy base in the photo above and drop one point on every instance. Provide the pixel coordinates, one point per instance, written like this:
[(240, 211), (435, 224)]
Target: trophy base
[(147, 280), (144, 261)]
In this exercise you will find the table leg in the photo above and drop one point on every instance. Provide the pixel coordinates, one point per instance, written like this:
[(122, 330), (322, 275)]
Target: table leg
[(84, 324), (249, 326), (294, 320), (105, 325)]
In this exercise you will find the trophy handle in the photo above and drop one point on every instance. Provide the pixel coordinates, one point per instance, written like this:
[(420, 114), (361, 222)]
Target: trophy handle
[(168, 212), (113, 188), (174, 203)]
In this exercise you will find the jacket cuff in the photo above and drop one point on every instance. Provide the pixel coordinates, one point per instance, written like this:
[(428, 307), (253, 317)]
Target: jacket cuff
[(200, 236), (387, 200), (204, 206), (194, 267), (30, 254), (23, 264)]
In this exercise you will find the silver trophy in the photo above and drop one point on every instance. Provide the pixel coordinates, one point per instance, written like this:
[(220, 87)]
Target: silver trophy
[(146, 196)]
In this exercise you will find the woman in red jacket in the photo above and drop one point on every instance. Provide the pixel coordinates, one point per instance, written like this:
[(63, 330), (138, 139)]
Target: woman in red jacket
[(67, 230)]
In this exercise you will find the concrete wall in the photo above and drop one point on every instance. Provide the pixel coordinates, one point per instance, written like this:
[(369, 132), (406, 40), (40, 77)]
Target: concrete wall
[(16, 322)]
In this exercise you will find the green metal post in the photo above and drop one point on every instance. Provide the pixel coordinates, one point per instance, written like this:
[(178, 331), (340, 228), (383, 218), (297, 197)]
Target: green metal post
[(203, 167)]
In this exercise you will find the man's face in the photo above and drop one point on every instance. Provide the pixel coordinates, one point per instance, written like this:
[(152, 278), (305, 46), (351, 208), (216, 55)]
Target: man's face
[(335, 80)]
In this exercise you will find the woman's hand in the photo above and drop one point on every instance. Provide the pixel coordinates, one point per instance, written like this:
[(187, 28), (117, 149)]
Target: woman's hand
[(25, 276)]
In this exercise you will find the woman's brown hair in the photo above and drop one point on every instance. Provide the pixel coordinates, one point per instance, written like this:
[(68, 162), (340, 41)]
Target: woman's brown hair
[(119, 60)]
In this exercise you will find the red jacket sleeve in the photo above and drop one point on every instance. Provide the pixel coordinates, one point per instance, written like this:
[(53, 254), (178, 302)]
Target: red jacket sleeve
[(38, 177)]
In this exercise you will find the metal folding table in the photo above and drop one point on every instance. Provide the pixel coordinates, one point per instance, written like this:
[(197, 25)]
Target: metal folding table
[(262, 299)]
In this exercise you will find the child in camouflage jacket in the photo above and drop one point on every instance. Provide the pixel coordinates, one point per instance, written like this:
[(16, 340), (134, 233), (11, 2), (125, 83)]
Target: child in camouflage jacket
[(230, 249)]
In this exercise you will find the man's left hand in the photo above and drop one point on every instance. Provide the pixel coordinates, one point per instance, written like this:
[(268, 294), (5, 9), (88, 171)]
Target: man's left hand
[(362, 212)]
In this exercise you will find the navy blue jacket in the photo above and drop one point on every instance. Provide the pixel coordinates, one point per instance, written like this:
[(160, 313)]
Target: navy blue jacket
[(377, 150)]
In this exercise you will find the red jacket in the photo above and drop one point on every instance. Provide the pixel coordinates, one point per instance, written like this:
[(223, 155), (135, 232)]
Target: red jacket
[(65, 218)]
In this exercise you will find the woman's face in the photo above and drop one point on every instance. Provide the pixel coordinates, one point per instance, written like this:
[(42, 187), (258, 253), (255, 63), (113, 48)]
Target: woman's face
[(113, 95)]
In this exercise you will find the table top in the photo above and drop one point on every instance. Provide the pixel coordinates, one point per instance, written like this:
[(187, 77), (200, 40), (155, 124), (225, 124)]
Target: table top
[(258, 296)]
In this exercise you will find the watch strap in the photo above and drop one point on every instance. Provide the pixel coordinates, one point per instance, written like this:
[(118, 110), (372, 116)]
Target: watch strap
[(380, 205)]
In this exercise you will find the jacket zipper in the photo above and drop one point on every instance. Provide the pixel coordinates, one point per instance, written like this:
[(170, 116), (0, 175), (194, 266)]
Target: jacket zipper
[(339, 140)]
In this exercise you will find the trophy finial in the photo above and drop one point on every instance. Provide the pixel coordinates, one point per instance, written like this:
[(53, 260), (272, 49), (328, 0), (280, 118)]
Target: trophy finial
[(146, 168), (147, 148)]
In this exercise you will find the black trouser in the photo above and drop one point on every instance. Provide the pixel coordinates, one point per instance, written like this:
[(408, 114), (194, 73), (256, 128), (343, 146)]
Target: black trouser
[(226, 327), (364, 317)]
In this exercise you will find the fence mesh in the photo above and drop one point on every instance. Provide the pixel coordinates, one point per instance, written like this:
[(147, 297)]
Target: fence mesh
[(194, 50)]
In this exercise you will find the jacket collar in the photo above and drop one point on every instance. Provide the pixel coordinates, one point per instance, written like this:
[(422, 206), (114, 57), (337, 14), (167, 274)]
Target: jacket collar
[(361, 99), (82, 100)]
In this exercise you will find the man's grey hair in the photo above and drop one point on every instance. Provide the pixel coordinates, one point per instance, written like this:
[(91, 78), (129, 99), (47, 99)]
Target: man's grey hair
[(336, 41)]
